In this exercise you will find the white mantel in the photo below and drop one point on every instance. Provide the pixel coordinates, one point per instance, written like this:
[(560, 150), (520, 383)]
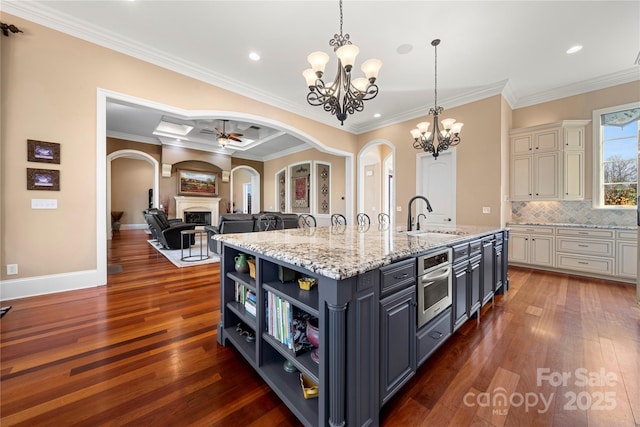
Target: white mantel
[(199, 204)]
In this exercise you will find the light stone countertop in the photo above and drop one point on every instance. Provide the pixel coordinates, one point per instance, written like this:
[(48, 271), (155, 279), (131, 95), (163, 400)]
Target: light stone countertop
[(341, 252), (557, 224)]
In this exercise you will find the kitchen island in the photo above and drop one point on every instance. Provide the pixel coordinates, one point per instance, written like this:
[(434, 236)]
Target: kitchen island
[(365, 304)]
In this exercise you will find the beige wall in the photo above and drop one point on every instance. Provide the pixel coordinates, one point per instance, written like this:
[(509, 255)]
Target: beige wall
[(130, 183), (52, 93)]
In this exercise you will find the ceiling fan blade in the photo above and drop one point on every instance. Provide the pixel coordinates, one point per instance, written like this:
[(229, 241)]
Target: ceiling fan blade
[(233, 138), (219, 131), (235, 134)]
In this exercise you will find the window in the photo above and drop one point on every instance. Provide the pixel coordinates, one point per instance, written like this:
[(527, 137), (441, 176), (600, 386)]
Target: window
[(616, 156)]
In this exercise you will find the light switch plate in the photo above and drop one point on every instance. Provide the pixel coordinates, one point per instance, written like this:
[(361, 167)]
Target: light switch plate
[(486, 209), (44, 203)]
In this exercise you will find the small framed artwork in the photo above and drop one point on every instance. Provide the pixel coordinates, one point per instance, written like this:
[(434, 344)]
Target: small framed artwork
[(43, 152), (301, 191), (225, 176), (194, 183), (43, 179)]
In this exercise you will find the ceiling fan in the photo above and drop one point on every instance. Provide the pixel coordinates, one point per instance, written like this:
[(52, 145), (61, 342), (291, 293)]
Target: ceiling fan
[(224, 137)]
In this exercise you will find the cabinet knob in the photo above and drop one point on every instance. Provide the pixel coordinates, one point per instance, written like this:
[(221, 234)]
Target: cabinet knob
[(537, 194)]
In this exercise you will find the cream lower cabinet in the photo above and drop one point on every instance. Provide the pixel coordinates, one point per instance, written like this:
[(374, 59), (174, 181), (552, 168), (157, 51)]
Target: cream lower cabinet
[(627, 254), (595, 252), (586, 250), (531, 245)]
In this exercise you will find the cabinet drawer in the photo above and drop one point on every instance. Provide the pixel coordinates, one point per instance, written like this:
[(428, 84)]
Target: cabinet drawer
[(475, 247), (531, 229), (584, 246), (586, 232), (397, 276), (460, 252), (586, 264), (433, 334), (627, 235)]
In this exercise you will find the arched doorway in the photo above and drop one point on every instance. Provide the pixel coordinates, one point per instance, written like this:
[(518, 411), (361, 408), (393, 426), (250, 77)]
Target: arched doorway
[(245, 190), (136, 155), (376, 187)]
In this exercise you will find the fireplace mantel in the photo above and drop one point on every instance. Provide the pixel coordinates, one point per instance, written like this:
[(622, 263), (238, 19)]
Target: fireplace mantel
[(186, 204)]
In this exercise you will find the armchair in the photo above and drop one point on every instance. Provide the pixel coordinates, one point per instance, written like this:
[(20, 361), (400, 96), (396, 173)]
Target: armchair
[(156, 211), (169, 234)]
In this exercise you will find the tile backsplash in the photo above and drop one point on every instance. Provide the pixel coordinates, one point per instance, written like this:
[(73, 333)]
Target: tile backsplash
[(570, 212)]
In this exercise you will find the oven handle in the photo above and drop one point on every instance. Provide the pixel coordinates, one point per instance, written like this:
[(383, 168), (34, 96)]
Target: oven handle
[(438, 277)]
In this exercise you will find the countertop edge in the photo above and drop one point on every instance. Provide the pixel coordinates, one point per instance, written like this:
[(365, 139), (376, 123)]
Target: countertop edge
[(574, 225)]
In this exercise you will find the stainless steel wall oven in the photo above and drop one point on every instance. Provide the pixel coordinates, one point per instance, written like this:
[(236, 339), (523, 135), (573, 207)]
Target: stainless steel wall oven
[(434, 284)]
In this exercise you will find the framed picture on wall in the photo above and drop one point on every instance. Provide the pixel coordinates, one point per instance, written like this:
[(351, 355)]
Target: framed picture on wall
[(43, 179), (301, 192), (43, 152), (197, 183)]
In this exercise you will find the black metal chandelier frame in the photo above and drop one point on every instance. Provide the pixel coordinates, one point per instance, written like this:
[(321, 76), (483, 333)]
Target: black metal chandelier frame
[(449, 136), (341, 98)]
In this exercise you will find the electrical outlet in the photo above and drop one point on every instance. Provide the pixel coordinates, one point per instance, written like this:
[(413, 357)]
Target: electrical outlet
[(12, 269), (486, 209), (398, 208)]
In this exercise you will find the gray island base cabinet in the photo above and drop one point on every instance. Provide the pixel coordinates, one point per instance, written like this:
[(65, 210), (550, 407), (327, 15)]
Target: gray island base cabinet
[(365, 304)]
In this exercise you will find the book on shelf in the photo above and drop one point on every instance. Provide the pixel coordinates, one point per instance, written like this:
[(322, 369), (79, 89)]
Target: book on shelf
[(250, 303), (246, 297), (286, 323)]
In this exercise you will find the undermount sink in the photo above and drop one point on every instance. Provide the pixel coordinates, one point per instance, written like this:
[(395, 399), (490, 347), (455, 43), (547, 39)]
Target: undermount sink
[(433, 233)]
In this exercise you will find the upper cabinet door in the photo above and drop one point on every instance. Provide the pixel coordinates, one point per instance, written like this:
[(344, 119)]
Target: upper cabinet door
[(521, 144), (548, 140)]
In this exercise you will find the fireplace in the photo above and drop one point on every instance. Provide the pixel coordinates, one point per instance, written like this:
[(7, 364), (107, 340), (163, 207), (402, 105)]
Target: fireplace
[(197, 217), (198, 205)]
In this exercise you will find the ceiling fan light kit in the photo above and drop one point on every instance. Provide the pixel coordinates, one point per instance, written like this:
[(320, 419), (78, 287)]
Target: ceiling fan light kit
[(342, 96), (440, 139), (224, 138)]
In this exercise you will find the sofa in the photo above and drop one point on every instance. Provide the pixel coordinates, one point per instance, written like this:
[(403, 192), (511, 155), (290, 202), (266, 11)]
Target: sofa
[(248, 223)]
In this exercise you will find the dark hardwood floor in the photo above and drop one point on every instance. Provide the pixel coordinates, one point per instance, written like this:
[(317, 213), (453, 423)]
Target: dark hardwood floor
[(142, 351)]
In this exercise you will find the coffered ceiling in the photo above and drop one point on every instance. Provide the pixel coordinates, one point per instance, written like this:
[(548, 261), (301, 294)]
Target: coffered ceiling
[(514, 48)]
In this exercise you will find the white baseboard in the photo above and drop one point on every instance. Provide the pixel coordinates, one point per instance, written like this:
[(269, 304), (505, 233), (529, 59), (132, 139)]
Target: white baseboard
[(133, 226), (41, 285)]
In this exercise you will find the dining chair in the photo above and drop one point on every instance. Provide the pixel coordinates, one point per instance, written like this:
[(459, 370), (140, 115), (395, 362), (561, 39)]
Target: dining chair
[(338, 219), (306, 221), (383, 218), (363, 219)]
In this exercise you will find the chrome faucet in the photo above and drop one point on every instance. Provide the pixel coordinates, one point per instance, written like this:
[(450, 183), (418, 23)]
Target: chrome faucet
[(409, 224)]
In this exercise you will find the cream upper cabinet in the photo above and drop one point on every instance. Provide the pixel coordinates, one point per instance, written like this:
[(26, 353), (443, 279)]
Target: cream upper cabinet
[(573, 175), (547, 161), (547, 140)]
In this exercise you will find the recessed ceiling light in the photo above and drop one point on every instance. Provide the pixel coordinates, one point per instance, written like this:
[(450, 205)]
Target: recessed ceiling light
[(574, 49), (403, 49), (377, 115), (254, 56)]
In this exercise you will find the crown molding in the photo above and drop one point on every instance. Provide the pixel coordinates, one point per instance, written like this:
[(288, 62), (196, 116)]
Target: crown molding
[(472, 95), (625, 76), (132, 137)]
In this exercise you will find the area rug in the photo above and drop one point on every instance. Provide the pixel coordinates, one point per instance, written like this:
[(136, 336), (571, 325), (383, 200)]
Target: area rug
[(174, 255)]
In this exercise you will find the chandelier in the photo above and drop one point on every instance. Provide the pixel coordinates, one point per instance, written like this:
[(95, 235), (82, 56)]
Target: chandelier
[(440, 139), (342, 96)]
